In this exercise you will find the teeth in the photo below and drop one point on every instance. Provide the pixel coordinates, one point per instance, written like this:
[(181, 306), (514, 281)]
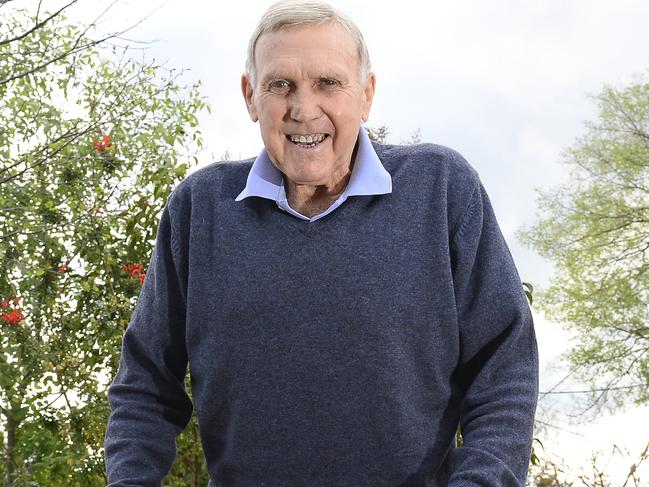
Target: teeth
[(307, 139)]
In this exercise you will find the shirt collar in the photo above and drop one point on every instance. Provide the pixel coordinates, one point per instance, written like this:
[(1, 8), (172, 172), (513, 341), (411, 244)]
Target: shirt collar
[(368, 177)]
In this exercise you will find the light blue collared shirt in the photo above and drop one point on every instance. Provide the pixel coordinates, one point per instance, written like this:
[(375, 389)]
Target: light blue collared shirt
[(368, 177)]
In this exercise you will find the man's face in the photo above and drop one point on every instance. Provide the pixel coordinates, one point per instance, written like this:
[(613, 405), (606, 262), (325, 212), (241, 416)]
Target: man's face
[(309, 101)]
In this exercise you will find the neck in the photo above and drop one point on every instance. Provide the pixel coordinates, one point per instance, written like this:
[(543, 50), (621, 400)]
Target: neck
[(313, 200)]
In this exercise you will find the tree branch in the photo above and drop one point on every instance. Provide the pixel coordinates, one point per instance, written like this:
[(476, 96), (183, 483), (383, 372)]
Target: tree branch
[(634, 467), (38, 25), (38, 10), (48, 155), (75, 49)]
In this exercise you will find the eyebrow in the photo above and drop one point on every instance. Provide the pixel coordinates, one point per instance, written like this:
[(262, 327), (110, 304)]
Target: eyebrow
[(329, 76), (274, 76)]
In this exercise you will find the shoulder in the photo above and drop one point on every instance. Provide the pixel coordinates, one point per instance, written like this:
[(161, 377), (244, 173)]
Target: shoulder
[(205, 190), (432, 160), (217, 181), (431, 172), (219, 177)]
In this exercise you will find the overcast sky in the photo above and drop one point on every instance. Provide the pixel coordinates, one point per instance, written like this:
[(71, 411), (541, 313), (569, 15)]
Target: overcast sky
[(505, 82)]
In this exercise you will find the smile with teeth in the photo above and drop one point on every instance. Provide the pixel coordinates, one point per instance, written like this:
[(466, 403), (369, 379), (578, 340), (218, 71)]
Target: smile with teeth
[(307, 140)]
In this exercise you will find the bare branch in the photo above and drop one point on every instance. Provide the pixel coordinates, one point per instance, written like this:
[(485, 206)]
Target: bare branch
[(38, 10), (634, 467), (589, 391)]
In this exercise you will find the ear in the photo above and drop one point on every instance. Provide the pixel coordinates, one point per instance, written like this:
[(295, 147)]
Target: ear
[(368, 96), (247, 91)]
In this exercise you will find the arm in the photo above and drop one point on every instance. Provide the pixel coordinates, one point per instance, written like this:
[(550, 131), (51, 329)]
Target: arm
[(498, 367), (149, 405)]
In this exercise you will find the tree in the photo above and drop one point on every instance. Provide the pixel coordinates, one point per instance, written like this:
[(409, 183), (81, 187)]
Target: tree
[(595, 229), (91, 144), (600, 472)]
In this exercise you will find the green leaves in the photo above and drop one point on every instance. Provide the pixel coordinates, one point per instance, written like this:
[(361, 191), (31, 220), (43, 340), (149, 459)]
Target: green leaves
[(181, 170), (596, 231), (89, 152)]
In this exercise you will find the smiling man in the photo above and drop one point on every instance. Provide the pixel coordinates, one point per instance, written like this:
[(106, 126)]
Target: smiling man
[(343, 305), (309, 96)]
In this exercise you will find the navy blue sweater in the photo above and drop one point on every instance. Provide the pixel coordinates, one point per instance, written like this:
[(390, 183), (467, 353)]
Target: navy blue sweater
[(338, 353)]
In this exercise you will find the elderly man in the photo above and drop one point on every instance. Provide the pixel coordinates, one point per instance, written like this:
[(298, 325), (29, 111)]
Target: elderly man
[(343, 305)]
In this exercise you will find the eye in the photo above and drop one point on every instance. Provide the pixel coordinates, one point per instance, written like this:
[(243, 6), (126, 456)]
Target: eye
[(329, 82), (279, 86)]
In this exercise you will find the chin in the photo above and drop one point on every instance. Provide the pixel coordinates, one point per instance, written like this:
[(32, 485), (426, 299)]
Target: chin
[(303, 181), (310, 178)]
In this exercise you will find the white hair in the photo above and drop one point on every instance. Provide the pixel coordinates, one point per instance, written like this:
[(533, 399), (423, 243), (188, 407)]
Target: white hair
[(290, 13)]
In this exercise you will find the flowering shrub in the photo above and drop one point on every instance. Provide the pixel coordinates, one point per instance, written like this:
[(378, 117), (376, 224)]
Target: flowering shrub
[(136, 271), (102, 145), (11, 317), (67, 195)]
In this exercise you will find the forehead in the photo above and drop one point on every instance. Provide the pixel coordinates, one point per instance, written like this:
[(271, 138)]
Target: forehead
[(327, 47)]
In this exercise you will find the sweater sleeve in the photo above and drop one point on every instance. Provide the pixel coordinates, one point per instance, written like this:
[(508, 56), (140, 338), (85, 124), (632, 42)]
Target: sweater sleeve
[(149, 405), (498, 370)]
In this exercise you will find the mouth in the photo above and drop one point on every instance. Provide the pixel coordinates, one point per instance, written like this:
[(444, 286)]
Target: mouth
[(307, 141)]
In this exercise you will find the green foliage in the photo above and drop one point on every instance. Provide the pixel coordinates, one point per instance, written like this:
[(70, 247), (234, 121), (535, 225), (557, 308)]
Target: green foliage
[(91, 144), (596, 230)]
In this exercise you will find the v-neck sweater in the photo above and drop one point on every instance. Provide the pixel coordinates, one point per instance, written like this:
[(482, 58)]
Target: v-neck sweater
[(340, 352)]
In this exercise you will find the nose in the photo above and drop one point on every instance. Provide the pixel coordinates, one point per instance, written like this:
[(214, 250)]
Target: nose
[(304, 105)]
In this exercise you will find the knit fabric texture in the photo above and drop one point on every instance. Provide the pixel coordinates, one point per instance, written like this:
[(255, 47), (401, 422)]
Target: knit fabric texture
[(338, 353)]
